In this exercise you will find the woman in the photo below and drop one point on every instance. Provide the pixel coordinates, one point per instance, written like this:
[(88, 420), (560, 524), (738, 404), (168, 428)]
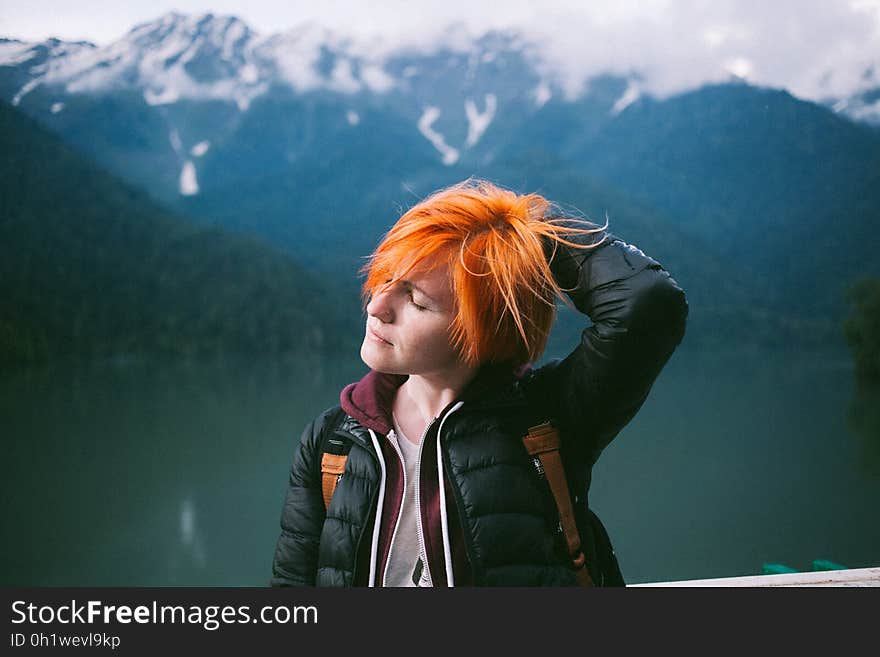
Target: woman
[(437, 488)]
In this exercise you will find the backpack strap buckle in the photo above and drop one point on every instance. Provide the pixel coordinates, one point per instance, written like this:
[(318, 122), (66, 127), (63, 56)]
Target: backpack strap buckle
[(332, 467)]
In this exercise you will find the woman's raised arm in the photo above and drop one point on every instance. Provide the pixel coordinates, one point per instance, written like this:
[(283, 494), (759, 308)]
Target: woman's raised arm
[(639, 314)]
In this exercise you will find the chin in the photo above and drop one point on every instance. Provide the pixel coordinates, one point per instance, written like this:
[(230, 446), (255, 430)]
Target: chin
[(365, 355), (369, 357), (377, 363)]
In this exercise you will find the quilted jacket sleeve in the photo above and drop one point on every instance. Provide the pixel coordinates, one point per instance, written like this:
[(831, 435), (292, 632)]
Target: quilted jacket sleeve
[(638, 313), (302, 517)]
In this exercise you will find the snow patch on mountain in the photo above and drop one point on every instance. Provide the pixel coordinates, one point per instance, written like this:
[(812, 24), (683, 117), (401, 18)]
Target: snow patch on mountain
[(164, 96), (541, 94), (13, 53), (175, 84), (249, 73), (297, 56), (376, 78), (479, 121), (630, 95), (189, 184), (47, 58), (174, 139), (200, 149), (869, 112), (26, 89), (431, 114), (342, 79)]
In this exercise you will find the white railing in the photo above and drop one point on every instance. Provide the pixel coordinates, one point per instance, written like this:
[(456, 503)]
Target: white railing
[(851, 577)]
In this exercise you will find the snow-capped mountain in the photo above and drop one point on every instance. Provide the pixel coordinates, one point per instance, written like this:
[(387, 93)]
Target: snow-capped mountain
[(180, 57), (176, 57), (451, 96), (220, 57)]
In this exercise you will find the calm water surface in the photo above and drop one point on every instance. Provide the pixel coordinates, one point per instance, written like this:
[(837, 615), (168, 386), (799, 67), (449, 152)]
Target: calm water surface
[(134, 473)]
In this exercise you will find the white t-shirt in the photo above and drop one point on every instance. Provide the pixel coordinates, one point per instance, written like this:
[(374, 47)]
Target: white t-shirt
[(404, 555)]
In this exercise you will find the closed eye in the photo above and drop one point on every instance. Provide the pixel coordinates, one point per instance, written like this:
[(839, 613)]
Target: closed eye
[(413, 302)]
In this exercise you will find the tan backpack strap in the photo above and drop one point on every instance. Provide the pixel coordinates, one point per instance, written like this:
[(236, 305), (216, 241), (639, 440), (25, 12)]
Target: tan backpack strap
[(332, 466), (543, 442)]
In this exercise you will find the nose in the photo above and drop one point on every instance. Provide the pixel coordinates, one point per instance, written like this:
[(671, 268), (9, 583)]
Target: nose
[(380, 307)]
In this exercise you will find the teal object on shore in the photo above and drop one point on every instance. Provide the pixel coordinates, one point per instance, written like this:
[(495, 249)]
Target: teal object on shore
[(816, 566), (776, 569)]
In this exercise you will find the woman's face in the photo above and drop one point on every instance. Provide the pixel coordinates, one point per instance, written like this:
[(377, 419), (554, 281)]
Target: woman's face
[(408, 324)]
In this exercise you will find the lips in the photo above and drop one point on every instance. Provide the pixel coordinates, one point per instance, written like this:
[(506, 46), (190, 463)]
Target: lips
[(378, 338)]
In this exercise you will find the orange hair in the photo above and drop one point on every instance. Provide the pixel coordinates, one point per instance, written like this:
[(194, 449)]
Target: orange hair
[(493, 242)]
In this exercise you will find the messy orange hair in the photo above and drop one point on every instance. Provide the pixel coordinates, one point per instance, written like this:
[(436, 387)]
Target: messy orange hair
[(493, 242)]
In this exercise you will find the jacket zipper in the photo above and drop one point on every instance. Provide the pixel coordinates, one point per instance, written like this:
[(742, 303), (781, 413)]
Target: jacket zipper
[(423, 553), (402, 500)]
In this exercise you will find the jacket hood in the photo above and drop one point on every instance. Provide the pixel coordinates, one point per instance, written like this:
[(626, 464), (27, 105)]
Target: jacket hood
[(369, 400)]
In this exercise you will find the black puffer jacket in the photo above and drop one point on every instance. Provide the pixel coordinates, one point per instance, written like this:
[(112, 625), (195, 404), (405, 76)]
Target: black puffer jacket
[(487, 516)]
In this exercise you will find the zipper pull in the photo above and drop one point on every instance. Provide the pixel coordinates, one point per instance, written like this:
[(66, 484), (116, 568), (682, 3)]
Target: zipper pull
[(539, 468), (417, 573)]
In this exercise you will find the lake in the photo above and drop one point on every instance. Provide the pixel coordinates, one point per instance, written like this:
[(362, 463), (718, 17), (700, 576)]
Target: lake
[(135, 473)]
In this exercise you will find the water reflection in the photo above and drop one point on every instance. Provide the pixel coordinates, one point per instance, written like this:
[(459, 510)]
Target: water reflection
[(863, 419), (142, 473), (190, 537)]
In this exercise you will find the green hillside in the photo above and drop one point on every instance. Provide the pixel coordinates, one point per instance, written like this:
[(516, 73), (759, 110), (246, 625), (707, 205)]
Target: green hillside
[(90, 267), (779, 186)]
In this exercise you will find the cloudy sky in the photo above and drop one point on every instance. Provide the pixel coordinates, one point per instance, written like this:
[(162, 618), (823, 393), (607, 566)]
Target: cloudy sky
[(814, 48)]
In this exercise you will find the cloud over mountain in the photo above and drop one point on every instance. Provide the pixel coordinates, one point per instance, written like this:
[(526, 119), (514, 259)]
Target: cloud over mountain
[(813, 48)]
